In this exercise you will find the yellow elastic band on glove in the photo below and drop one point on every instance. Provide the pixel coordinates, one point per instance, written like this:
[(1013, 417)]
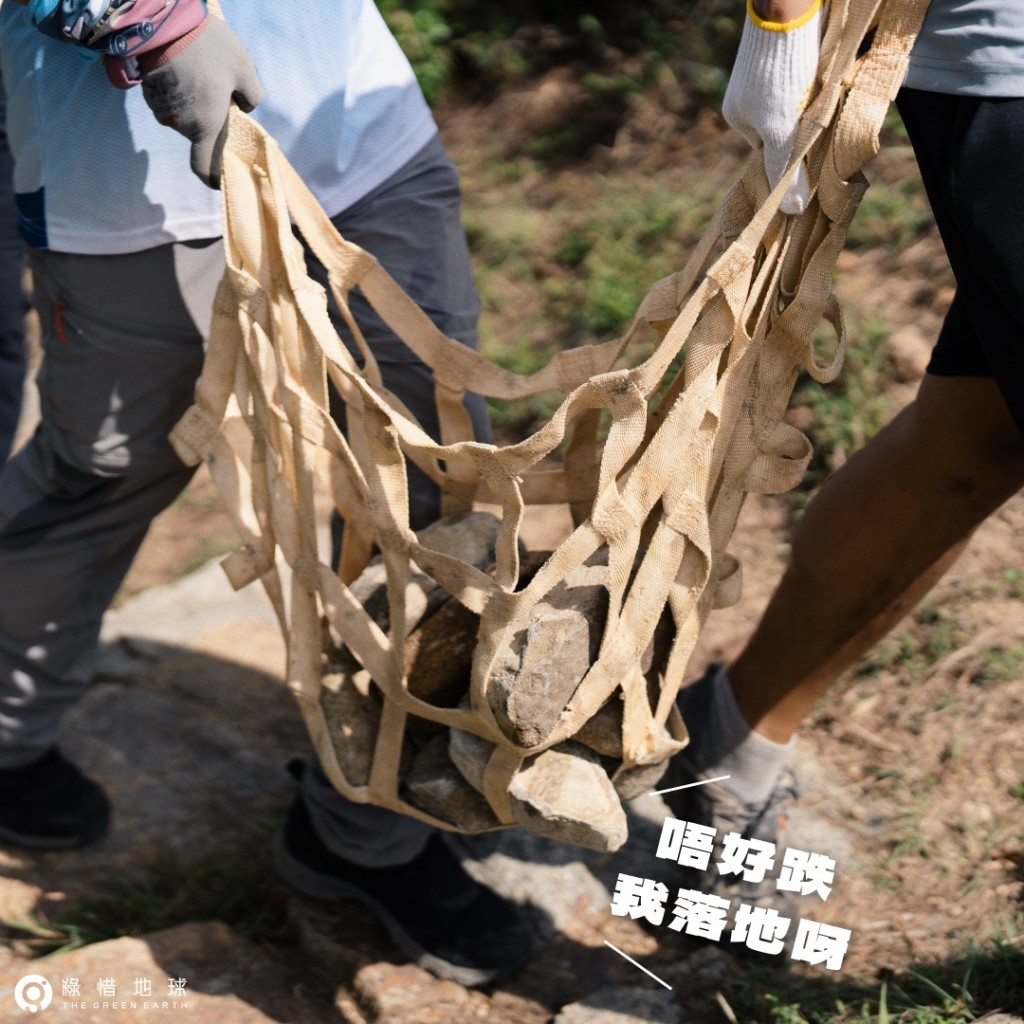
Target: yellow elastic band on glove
[(782, 26)]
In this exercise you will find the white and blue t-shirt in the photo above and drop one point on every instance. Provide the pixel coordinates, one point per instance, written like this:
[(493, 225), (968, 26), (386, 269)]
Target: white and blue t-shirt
[(95, 173)]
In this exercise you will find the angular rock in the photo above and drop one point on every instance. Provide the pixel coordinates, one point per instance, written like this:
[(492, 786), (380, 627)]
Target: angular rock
[(434, 785), (535, 676), (407, 994), (227, 980), (470, 536), (439, 655), (556, 655), (638, 779), (623, 1006), (352, 709), (469, 753), (439, 652), (565, 794), (528, 690), (370, 589), (602, 732), (437, 659)]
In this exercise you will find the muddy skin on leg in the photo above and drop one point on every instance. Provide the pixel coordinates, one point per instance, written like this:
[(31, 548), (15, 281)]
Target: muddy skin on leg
[(879, 534)]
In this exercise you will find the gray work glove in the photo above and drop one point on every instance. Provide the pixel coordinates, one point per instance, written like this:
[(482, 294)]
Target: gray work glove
[(190, 87)]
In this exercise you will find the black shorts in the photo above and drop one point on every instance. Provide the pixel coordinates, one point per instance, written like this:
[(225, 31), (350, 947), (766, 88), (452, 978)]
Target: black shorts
[(971, 153)]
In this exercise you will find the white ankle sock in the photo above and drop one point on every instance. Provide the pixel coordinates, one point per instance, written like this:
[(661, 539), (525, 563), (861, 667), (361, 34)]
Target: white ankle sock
[(724, 744)]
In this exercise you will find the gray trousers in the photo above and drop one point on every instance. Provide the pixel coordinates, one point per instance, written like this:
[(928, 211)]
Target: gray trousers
[(123, 341), (13, 304)]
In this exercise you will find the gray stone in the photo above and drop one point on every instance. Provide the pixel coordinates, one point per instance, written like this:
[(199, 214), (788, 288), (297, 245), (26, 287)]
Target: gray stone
[(535, 676), (352, 709), (206, 753), (371, 591), (439, 655), (602, 733), (434, 785), (638, 779), (439, 652), (565, 794), (469, 536), (179, 784), (469, 753), (555, 656), (623, 1006)]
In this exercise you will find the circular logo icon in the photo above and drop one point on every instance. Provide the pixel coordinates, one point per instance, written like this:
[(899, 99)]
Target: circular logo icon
[(33, 993)]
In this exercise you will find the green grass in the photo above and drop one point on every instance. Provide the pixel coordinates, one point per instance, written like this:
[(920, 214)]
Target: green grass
[(234, 885), (931, 634), (565, 270), (848, 412), (1000, 664), (479, 47), (210, 547), (1013, 579), (426, 39), (891, 216), (1017, 789), (982, 978)]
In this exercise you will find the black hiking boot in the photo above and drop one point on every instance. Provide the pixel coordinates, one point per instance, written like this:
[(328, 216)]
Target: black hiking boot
[(436, 914), (50, 805)]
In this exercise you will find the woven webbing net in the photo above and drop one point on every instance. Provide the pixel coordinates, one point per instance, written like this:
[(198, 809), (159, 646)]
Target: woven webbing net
[(657, 499)]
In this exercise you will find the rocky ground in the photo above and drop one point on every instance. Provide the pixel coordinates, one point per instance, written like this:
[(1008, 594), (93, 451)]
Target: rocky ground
[(189, 726)]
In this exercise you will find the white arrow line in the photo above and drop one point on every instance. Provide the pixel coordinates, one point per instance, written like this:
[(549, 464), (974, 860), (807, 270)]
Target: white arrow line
[(641, 966), (689, 785)]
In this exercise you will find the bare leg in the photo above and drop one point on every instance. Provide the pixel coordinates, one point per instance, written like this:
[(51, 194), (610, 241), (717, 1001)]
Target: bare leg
[(874, 540)]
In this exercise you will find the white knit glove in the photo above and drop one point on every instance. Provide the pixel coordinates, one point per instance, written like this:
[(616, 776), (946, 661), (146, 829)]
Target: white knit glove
[(771, 82)]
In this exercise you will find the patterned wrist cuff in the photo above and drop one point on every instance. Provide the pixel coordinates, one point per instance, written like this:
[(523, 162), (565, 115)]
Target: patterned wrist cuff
[(162, 54)]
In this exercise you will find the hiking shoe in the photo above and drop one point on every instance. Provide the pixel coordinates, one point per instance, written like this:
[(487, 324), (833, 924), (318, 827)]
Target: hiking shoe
[(50, 805), (714, 805), (435, 913)]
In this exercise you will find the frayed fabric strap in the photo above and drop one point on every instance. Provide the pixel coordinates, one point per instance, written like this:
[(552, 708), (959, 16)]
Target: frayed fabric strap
[(658, 498)]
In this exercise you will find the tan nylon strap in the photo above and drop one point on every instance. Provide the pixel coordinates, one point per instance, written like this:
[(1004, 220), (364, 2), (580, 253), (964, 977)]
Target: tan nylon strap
[(661, 495)]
